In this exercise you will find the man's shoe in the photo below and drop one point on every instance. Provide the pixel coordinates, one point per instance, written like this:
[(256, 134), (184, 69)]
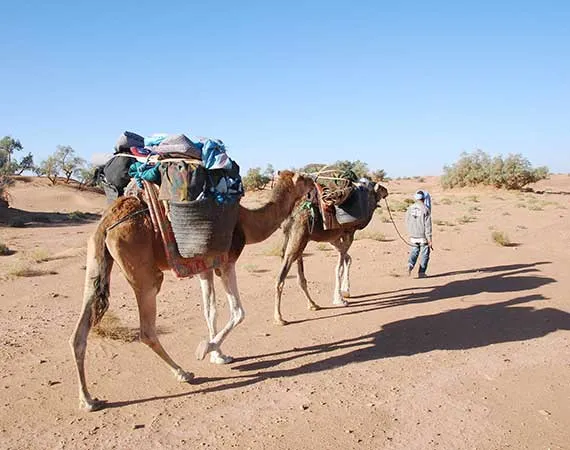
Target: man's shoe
[(422, 275)]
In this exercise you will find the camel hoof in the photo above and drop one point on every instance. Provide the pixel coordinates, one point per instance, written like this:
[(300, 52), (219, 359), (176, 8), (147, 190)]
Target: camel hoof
[(341, 302), (346, 294), (92, 405), (202, 350), (280, 322), (220, 359), (314, 307), (184, 377)]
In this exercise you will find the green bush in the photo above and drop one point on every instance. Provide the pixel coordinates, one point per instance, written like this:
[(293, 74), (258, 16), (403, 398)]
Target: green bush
[(255, 180), (478, 168)]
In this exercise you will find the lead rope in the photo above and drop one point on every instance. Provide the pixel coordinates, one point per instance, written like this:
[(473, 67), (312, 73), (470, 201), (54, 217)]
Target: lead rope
[(395, 227)]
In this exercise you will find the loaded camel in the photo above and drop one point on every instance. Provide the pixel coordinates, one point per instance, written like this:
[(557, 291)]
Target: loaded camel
[(139, 253), (306, 224)]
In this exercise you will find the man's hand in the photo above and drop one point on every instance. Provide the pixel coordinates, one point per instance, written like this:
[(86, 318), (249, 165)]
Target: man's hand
[(430, 243)]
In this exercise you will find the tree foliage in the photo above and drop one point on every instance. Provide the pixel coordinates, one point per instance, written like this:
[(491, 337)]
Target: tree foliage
[(254, 179), (27, 163), (68, 162), (50, 169), (478, 168), (8, 164)]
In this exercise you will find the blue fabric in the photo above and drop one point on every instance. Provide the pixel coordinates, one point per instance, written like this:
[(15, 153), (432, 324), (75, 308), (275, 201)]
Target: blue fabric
[(422, 250), (427, 200), (214, 155), (229, 188), (155, 139), (140, 171)]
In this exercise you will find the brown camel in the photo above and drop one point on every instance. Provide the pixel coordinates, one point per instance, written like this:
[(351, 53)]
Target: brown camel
[(306, 224), (140, 255)]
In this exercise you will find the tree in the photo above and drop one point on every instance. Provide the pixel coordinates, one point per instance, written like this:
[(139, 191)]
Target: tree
[(50, 168), (254, 180), (378, 175), (9, 145), (269, 172), (86, 176), (27, 163), (312, 168), (358, 168), (67, 161), (472, 169)]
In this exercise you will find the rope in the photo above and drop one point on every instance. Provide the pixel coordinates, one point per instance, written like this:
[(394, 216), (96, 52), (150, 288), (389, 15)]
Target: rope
[(394, 223), (124, 219), (308, 206)]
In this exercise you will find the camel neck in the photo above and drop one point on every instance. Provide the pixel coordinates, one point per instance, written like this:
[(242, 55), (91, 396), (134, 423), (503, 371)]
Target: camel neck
[(260, 223)]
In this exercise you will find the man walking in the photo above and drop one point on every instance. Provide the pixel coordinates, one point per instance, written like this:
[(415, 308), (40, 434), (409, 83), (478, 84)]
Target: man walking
[(418, 221)]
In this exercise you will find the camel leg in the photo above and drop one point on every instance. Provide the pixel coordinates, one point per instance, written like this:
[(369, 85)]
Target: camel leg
[(146, 299), (209, 305), (285, 267), (95, 297), (340, 246), (237, 314), (345, 287), (302, 281), (136, 260), (296, 243)]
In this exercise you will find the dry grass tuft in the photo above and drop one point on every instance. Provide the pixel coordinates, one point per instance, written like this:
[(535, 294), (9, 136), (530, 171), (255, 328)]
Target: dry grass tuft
[(374, 235), (4, 250), (501, 238), (466, 219), (39, 255), (273, 251), (323, 247), (110, 327), (24, 270), (444, 223), (251, 268)]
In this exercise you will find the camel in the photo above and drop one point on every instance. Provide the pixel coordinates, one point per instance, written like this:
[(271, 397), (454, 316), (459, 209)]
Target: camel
[(126, 236), (306, 224)]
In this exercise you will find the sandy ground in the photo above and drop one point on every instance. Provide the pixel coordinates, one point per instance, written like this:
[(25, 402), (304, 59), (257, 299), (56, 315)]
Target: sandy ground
[(475, 357)]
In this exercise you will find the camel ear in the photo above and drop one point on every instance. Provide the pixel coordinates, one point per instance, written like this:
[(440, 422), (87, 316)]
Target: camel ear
[(278, 173)]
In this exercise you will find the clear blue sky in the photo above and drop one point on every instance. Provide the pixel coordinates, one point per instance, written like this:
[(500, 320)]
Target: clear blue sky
[(402, 85)]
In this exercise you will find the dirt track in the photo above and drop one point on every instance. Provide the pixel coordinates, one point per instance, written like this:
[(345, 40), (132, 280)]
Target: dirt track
[(476, 356)]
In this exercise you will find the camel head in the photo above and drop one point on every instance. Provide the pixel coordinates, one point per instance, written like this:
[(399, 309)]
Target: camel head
[(300, 184), (381, 192)]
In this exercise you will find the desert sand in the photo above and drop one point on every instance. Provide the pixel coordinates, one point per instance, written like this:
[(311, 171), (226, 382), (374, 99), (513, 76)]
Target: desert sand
[(477, 356)]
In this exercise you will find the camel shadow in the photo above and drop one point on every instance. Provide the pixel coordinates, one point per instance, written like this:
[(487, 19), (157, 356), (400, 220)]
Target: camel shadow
[(457, 329), (514, 281)]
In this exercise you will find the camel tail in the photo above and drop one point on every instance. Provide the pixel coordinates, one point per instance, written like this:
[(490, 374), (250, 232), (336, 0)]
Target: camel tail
[(98, 276)]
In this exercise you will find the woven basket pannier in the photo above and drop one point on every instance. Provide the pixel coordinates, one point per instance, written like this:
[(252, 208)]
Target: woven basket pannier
[(203, 227)]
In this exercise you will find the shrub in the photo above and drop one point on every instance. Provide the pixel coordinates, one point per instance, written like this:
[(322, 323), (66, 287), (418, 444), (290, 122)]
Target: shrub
[(472, 169), (375, 236), (5, 182), (255, 180), (501, 238), (4, 250), (466, 219)]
